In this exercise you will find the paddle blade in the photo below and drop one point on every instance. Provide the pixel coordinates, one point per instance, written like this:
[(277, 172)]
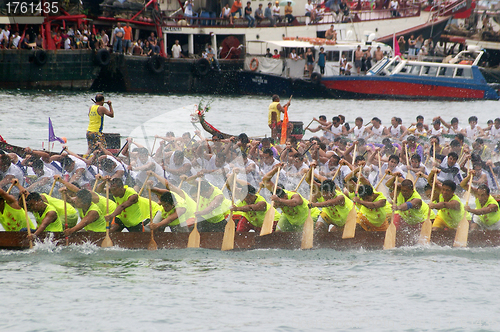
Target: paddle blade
[(267, 225), (350, 224), (410, 177), (425, 232), (308, 233), (228, 239), (106, 243), (462, 233), (152, 243), (390, 237), (194, 238)]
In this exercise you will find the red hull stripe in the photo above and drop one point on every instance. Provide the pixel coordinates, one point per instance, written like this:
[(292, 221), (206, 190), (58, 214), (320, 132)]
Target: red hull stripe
[(373, 87)]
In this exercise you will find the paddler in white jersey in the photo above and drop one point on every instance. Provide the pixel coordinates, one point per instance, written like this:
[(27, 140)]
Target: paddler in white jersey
[(472, 131), (376, 129), (396, 129), (96, 122), (359, 130)]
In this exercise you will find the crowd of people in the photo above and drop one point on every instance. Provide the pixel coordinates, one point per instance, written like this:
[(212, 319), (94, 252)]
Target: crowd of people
[(195, 178)]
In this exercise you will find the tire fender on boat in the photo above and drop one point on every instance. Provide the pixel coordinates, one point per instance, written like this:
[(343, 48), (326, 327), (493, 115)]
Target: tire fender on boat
[(40, 57), (316, 78), (254, 64), (202, 67), (155, 63), (103, 57)]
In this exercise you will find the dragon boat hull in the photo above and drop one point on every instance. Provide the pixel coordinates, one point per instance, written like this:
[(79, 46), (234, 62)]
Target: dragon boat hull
[(248, 241)]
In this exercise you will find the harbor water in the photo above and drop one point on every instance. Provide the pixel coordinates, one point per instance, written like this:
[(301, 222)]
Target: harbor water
[(86, 288)]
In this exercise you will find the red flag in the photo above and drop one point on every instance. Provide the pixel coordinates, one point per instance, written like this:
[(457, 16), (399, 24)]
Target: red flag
[(396, 45), (284, 126)]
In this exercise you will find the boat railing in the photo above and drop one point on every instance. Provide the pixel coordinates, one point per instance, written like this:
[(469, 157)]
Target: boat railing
[(209, 18)]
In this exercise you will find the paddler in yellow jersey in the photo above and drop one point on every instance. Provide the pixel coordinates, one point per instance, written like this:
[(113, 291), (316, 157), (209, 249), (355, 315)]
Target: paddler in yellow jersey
[(487, 209), (45, 214), (275, 110), (335, 207), (92, 218), (96, 122), (251, 209), (12, 216), (374, 209), (213, 208), (132, 210), (451, 209), (412, 210)]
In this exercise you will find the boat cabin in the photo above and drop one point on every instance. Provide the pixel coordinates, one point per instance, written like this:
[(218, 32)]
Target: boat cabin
[(294, 67)]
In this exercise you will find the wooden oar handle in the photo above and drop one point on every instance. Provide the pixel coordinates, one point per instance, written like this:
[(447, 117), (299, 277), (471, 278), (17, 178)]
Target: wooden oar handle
[(144, 185)]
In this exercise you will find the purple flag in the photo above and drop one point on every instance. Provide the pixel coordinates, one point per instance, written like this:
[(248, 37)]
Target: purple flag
[(52, 136)]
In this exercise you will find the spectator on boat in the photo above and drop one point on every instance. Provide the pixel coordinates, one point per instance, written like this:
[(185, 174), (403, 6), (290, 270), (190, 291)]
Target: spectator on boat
[(177, 50), (5, 36), (331, 34), (104, 39), (248, 15), (309, 7), (268, 53), (345, 66), (39, 41), (368, 58), (85, 42), (268, 13), (68, 43), (402, 45), (412, 47), (259, 14), (127, 39), (226, 12), (418, 44), (423, 52), (358, 56), (93, 44), (235, 8), (147, 51), (275, 110), (153, 43), (318, 14), (335, 8), (309, 61), (321, 60), (188, 10), (276, 55), (276, 12), (118, 34), (394, 8), (25, 42), (293, 55), (344, 7), (211, 56), (288, 12)]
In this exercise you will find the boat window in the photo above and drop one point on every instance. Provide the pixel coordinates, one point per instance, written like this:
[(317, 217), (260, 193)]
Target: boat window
[(446, 71), (415, 70), (429, 71), (464, 72), (348, 55), (406, 69), (333, 56), (392, 65)]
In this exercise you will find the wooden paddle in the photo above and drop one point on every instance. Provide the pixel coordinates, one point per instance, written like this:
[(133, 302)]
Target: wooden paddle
[(52, 188), (143, 185), (153, 148), (11, 186), (228, 239), (308, 228), (409, 176), (194, 237), (152, 244), (267, 225), (65, 216), (27, 219), (307, 127), (390, 233), (426, 230), (106, 243), (95, 183), (301, 180), (354, 154), (350, 224), (494, 177), (463, 226)]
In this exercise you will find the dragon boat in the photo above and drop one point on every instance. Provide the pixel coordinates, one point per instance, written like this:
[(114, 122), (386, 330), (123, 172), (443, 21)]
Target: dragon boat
[(249, 241)]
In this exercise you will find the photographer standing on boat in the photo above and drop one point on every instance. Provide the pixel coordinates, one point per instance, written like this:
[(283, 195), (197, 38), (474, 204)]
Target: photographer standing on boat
[(96, 122)]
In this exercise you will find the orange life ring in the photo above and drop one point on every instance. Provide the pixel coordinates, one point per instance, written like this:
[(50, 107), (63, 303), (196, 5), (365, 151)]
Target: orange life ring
[(465, 62), (254, 64)]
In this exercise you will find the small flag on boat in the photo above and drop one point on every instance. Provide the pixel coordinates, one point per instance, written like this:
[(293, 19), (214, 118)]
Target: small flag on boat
[(52, 136), (284, 126), (395, 45)]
